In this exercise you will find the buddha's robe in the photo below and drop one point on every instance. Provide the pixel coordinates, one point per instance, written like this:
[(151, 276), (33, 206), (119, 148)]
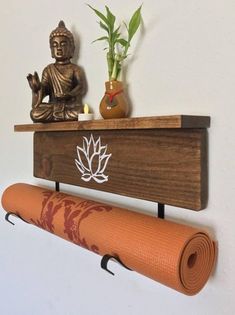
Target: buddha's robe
[(65, 86)]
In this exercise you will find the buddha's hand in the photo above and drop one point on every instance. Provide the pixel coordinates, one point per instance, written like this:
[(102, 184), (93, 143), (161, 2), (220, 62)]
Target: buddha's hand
[(34, 82)]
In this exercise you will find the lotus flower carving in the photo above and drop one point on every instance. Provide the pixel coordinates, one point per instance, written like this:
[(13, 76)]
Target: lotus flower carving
[(92, 160)]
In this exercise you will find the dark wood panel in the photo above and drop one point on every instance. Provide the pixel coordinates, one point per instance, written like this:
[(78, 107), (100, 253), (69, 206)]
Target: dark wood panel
[(174, 121), (163, 165)]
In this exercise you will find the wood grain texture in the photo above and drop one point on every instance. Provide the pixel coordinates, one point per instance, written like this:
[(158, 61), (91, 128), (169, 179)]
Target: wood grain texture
[(168, 166), (175, 121)]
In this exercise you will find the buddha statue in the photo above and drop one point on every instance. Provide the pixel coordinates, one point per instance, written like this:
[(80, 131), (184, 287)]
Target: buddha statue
[(63, 81)]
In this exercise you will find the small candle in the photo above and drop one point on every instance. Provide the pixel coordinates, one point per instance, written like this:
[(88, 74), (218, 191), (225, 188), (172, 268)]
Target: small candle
[(86, 115)]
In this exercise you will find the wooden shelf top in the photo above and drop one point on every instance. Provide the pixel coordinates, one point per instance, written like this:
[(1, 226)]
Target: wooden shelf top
[(156, 122)]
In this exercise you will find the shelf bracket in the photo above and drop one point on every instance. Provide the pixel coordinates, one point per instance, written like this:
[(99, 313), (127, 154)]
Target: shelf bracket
[(57, 186), (161, 211)]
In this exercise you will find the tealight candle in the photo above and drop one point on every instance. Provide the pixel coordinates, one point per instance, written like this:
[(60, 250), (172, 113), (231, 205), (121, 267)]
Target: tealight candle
[(86, 115)]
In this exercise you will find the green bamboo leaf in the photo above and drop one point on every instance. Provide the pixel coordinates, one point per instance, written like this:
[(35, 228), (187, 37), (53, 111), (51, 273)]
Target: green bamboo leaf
[(101, 38), (116, 34), (115, 38), (125, 26), (99, 14), (103, 26), (134, 23), (122, 42), (111, 18)]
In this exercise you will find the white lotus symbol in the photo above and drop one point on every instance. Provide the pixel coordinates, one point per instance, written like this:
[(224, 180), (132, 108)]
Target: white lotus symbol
[(92, 160)]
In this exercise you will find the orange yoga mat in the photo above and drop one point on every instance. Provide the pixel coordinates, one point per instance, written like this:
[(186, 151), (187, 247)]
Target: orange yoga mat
[(176, 255)]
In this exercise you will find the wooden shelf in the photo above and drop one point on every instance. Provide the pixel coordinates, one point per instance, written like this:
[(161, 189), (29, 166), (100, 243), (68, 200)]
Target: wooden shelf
[(162, 158), (157, 122)]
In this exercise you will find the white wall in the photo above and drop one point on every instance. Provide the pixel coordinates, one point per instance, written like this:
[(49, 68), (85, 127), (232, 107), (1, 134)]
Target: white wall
[(184, 63)]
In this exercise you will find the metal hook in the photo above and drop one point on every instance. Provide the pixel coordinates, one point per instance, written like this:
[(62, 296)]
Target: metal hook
[(104, 263), (16, 215)]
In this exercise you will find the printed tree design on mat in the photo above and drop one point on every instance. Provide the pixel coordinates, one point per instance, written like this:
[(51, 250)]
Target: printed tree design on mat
[(74, 219), (74, 214)]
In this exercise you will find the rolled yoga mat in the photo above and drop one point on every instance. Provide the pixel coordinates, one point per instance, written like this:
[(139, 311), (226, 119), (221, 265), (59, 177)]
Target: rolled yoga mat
[(176, 255)]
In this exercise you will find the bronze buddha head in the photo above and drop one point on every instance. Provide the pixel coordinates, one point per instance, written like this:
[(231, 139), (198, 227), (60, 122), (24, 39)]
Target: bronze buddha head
[(62, 43)]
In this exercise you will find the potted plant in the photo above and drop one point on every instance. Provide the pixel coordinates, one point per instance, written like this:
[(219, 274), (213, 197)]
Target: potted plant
[(114, 104)]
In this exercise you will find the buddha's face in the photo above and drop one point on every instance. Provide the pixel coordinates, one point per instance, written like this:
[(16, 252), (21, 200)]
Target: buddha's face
[(61, 48)]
